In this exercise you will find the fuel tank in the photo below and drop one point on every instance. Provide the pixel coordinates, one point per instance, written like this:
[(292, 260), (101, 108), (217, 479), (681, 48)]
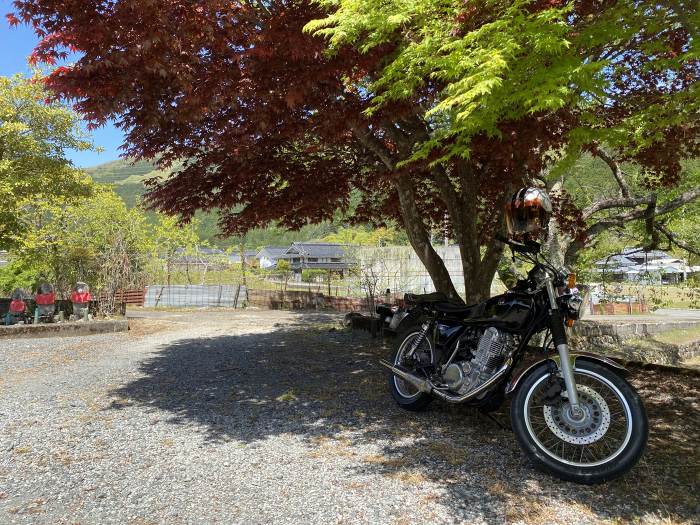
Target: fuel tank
[(512, 311)]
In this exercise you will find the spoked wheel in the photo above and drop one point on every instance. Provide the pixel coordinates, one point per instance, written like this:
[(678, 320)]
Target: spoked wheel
[(599, 444), (405, 394)]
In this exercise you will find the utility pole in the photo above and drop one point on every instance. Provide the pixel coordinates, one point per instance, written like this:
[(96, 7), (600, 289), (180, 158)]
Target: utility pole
[(446, 229), (243, 261)]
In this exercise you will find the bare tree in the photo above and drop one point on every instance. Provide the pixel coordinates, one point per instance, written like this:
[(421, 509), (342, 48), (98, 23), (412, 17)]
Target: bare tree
[(628, 204)]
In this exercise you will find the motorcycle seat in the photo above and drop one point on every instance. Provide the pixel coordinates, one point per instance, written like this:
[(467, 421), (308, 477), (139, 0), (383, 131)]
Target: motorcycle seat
[(435, 297), (458, 310)]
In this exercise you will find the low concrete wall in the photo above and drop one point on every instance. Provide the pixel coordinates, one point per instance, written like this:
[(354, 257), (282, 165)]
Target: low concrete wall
[(65, 329)]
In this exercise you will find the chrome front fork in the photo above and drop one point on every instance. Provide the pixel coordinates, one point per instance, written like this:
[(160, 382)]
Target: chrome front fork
[(565, 365)]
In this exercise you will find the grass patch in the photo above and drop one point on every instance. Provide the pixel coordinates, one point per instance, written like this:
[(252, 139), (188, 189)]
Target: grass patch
[(679, 336), (388, 462), (326, 447), (410, 477), (288, 396), (660, 296), (453, 454), (693, 362), (533, 512)]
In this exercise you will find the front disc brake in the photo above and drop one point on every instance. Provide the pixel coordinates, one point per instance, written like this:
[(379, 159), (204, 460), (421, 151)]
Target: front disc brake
[(583, 431)]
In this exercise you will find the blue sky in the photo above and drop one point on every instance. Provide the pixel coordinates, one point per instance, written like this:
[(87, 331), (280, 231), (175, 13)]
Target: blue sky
[(16, 43)]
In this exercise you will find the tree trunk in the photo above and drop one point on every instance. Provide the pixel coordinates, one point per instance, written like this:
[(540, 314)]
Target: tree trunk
[(461, 204), (487, 268), (458, 192), (557, 243), (420, 240), (557, 246), (477, 282)]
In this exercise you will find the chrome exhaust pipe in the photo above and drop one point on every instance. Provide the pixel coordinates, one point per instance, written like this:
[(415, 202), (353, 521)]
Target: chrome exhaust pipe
[(421, 384), (427, 386), (483, 387)]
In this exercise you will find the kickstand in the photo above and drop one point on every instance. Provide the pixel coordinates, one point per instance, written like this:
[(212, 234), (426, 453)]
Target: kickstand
[(497, 421)]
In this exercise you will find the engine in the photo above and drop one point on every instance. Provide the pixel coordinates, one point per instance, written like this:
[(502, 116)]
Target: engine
[(491, 350)]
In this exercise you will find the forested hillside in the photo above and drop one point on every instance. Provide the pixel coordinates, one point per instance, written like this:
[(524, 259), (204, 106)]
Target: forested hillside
[(127, 178)]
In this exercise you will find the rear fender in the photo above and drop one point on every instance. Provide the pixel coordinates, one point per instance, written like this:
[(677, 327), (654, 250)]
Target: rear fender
[(584, 356), (403, 320)]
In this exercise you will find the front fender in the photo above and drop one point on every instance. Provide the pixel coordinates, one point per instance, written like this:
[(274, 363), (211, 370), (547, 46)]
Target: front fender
[(513, 383)]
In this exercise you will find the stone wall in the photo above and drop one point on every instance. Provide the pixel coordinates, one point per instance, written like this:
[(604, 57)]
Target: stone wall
[(627, 329), (634, 341)]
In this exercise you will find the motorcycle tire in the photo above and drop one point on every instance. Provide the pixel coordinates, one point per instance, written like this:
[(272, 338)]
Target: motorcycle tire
[(630, 433), (420, 400)]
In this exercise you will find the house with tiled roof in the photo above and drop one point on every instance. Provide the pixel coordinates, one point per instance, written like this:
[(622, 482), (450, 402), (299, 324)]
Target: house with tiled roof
[(268, 256), (317, 256), (635, 264)]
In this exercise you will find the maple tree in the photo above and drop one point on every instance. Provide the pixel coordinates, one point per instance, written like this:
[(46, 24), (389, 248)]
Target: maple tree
[(622, 75), (280, 110)]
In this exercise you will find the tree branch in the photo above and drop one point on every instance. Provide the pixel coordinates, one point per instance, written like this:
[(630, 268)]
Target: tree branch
[(650, 217), (616, 171), (650, 212), (372, 143), (615, 202), (677, 202), (641, 213), (448, 193), (673, 239)]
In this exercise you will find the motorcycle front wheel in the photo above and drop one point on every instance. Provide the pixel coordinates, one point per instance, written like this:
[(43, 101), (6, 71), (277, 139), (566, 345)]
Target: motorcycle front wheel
[(602, 444)]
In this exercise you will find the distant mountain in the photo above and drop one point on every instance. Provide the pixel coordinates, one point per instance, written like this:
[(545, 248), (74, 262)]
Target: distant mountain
[(118, 171), (125, 176)]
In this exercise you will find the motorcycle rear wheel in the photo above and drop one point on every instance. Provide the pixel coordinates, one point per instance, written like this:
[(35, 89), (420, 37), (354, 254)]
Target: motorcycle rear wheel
[(406, 395), (602, 445)]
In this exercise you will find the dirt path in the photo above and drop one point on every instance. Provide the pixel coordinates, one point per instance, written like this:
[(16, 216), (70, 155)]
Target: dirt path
[(275, 417)]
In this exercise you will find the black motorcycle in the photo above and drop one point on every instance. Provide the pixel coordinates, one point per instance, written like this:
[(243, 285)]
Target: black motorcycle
[(574, 415)]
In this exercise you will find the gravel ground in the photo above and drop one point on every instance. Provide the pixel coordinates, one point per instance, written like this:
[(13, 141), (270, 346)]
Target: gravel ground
[(276, 417)]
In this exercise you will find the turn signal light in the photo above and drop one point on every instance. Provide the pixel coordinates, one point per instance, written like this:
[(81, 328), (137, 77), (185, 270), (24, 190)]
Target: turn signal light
[(571, 282), (569, 323)]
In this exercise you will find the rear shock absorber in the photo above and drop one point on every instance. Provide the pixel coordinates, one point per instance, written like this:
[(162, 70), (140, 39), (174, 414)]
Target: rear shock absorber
[(425, 327)]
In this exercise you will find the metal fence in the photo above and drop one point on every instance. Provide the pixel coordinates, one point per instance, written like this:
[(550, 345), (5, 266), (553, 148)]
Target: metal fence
[(192, 295), (399, 268), (374, 270)]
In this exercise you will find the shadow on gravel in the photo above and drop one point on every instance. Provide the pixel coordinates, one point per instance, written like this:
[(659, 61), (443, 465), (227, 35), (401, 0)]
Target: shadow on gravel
[(325, 385)]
